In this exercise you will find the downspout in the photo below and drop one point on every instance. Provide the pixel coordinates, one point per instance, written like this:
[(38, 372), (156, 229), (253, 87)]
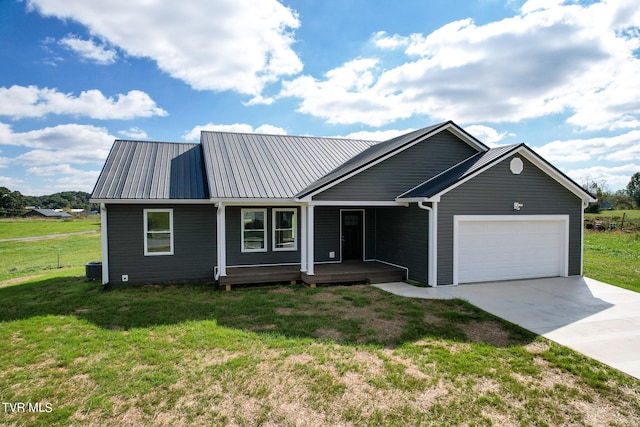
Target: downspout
[(105, 245), (432, 262)]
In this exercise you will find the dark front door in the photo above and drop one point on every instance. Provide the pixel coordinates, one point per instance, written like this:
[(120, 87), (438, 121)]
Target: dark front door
[(352, 234)]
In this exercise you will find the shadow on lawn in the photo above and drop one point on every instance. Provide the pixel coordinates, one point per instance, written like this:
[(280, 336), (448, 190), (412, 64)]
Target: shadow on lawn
[(345, 314)]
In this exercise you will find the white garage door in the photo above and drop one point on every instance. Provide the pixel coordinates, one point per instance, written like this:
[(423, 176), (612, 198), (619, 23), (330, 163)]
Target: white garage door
[(505, 247)]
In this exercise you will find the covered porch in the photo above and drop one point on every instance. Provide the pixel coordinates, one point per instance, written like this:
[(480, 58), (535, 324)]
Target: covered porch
[(344, 272)]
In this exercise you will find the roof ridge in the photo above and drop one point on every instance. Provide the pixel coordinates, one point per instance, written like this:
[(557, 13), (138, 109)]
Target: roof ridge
[(339, 138), (137, 141)]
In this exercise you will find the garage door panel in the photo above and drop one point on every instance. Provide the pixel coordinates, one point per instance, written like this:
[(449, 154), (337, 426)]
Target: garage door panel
[(510, 249)]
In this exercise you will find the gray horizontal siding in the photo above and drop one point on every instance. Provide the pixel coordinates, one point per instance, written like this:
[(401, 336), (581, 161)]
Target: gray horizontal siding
[(403, 171), (327, 233), (402, 238), (235, 256), (194, 245), (493, 192)]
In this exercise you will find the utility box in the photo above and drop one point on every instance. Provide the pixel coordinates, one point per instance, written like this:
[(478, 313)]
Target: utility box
[(93, 270)]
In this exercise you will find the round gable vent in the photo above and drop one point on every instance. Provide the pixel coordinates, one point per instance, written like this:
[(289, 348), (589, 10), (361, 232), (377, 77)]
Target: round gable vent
[(516, 165)]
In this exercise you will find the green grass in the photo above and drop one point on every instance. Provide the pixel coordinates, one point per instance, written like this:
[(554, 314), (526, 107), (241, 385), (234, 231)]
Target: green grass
[(29, 258), (14, 228), (613, 257), (190, 355)]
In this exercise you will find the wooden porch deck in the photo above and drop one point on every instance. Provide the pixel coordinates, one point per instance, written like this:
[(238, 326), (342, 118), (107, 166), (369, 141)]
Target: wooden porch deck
[(345, 272)]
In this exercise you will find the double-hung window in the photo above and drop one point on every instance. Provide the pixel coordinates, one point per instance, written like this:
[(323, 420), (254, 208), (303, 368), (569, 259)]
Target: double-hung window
[(158, 230), (254, 231), (284, 230)]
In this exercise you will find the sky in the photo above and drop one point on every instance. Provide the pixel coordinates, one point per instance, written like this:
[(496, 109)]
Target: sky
[(561, 76)]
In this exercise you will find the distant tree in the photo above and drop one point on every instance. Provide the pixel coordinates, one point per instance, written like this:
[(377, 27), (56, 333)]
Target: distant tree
[(621, 200), (11, 202), (63, 200), (633, 187), (598, 190)]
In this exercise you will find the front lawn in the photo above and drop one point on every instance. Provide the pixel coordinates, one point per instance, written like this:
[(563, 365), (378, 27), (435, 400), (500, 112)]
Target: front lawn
[(613, 257), (289, 355)]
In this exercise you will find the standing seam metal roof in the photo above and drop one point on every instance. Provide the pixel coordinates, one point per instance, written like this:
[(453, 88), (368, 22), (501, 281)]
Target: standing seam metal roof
[(152, 170), (240, 165)]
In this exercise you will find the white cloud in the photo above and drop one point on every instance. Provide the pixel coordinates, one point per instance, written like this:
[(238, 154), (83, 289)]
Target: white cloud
[(64, 144), (11, 183), (383, 41), (194, 134), (4, 162), (623, 147), (552, 58), (32, 101), (134, 133), (616, 177), (65, 177), (88, 49), (239, 45), (485, 134)]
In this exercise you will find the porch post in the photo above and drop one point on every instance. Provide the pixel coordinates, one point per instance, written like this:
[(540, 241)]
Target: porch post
[(222, 240), (303, 238), (310, 239), (433, 240)]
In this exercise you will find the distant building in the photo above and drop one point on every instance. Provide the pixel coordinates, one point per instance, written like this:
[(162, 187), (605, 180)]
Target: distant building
[(47, 213)]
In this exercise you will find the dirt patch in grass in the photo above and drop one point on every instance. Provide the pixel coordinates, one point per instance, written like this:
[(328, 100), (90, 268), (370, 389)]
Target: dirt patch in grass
[(281, 291), (486, 331), (17, 280), (329, 333)]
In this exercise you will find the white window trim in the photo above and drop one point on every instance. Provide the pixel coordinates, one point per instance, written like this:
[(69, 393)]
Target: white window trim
[(242, 248), (273, 229), (146, 230)]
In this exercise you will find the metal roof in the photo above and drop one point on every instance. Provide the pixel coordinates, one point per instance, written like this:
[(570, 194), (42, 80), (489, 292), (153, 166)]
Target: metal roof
[(459, 172), (50, 213), (152, 170), (241, 165)]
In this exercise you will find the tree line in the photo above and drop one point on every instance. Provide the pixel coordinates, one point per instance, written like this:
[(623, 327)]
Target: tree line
[(627, 198), (13, 203)]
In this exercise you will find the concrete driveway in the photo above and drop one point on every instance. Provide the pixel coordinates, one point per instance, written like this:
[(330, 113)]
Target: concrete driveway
[(596, 319)]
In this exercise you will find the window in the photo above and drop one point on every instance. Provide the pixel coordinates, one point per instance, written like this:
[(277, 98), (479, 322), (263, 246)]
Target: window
[(254, 232), (284, 230), (158, 230)]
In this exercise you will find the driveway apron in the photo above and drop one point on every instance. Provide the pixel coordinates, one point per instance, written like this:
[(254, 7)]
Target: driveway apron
[(598, 320)]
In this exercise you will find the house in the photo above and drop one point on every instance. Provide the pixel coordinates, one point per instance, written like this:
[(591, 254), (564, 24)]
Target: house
[(47, 213), (435, 204)]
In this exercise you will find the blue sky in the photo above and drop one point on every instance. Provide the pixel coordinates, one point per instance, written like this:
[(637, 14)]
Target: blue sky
[(561, 76)]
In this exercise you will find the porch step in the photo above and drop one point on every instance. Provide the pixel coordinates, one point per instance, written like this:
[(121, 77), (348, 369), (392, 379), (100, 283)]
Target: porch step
[(251, 275), (345, 272), (366, 272)]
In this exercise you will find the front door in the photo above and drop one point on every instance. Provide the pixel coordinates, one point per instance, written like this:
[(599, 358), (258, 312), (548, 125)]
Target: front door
[(352, 235)]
